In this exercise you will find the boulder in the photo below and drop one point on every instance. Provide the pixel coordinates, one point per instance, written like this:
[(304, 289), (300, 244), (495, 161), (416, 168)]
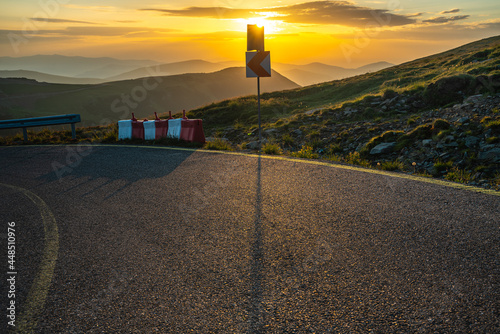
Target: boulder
[(471, 141), (492, 155), (427, 142), (383, 148)]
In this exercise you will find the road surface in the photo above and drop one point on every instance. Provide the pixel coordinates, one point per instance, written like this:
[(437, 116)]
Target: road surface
[(146, 240)]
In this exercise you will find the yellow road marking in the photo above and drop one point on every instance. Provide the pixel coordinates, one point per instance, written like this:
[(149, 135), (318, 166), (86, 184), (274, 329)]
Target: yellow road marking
[(310, 162), (331, 165), (39, 290)]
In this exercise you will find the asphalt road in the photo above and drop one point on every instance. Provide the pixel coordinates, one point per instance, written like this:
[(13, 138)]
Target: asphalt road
[(145, 240)]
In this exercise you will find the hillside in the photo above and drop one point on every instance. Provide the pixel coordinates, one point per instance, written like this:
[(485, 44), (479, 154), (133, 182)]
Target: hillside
[(431, 82), (108, 102)]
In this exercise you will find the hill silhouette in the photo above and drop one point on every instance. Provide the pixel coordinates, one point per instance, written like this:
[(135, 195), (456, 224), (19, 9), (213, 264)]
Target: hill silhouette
[(189, 66), (49, 78)]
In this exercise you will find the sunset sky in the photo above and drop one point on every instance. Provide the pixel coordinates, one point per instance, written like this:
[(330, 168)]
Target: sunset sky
[(342, 33)]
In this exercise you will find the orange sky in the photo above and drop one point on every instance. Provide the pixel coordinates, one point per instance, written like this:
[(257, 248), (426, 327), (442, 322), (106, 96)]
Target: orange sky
[(343, 33)]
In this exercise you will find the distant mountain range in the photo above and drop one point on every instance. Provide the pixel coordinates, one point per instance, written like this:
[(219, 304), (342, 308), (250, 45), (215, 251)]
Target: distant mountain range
[(315, 73), (82, 70), (111, 101), (43, 77), (78, 67)]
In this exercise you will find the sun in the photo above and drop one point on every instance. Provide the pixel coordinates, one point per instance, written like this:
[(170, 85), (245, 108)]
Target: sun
[(259, 21), (270, 26)]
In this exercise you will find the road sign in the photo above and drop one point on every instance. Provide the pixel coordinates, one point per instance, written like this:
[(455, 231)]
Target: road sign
[(255, 37), (258, 64)]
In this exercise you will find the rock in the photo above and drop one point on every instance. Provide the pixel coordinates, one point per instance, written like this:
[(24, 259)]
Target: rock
[(298, 132), (383, 148), (473, 99), (452, 144), (471, 141), (464, 120), (349, 111), (427, 142), (486, 147), (448, 139), (492, 155), (254, 145)]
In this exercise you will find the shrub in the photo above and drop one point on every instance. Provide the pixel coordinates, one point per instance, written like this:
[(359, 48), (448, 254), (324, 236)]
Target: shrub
[(272, 148), (306, 152), (440, 166), (218, 144), (334, 148), (459, 175), (354, 158), (493, 125), (440, 124), (492, 140), (389, 94), (392, 165), (287, 139), (423, 131)]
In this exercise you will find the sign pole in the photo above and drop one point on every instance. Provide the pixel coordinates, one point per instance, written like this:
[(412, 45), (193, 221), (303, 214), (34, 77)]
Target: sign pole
[(258, 63), (258, 103)]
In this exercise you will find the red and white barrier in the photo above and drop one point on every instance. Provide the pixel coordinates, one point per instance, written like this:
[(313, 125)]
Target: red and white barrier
[(125, 129), (137, 128), (149, 130), (190, 130)]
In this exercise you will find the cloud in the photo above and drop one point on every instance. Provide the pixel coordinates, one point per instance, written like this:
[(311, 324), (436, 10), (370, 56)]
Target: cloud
[(49, 20), (414, 15), (451, 11), (317, 12), (73, 32), (443, 19)]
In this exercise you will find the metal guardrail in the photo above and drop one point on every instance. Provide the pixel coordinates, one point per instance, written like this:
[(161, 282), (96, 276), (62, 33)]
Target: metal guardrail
[(41, 121)]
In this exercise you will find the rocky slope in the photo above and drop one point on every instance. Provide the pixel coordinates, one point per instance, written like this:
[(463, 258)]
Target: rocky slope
[(460, 142)]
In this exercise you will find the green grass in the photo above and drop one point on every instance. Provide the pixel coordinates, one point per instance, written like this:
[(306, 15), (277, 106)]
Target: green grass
[(218, 144), (392, 166), (442, 166), (459, 175)]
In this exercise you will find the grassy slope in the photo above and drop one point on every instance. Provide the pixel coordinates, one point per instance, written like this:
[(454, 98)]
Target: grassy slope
[(482, 57)]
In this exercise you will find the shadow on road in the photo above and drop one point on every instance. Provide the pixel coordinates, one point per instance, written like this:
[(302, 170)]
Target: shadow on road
[(105, 166), (257, 268)]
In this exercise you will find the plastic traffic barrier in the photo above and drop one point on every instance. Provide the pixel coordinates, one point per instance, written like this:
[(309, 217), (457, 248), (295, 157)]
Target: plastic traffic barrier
[(149, 130), (192, 130), (161, 126), (174, 128), (124, 129), (137, 128)]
